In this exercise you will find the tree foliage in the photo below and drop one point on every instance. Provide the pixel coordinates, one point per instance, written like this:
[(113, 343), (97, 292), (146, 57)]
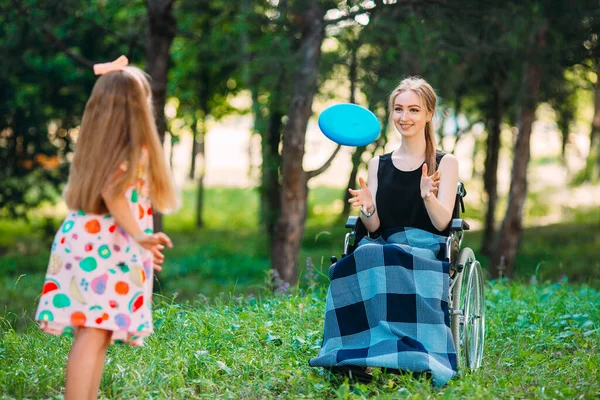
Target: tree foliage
[(479, 55)]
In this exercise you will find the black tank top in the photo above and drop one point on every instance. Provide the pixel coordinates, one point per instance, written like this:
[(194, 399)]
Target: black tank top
[(399, 202)]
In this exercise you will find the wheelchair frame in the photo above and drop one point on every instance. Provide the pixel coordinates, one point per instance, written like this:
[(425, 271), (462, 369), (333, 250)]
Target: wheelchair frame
[(466, 291)]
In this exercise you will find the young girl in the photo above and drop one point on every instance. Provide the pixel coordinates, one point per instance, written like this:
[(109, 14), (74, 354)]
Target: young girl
[(98, 286)]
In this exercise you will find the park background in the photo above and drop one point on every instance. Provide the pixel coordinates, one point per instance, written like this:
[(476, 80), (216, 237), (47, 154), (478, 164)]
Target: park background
[(238, 87)]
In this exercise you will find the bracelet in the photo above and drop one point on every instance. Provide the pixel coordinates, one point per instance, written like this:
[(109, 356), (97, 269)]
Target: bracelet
[(366, 213)]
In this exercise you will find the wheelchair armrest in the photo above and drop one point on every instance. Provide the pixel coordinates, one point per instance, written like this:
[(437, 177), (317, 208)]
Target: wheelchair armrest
[(459, 224), (351, 222)]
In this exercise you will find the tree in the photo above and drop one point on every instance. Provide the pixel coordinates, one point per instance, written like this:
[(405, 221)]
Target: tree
[(289, 228), (593, 162), (162, 29), (290, 224), (204, 73), (270, 44), (555, 42), (592, 169), (510, 234), (46, 79)]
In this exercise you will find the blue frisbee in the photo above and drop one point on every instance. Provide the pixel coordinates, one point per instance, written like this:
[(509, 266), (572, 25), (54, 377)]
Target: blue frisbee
[(349, 124)]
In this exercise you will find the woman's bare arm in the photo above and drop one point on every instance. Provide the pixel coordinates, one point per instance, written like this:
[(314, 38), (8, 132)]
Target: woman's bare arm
[(440, 207)]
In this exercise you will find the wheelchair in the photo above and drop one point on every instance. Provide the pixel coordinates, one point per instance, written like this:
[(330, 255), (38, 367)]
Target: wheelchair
[(466, 290)]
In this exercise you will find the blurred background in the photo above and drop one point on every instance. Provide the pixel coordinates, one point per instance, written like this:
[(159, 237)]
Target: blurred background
[(238, 86)]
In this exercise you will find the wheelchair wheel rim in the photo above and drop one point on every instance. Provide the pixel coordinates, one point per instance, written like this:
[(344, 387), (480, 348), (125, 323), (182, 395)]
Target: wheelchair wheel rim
[(460, 298), (474, 317), (479, 322), (467, 327)]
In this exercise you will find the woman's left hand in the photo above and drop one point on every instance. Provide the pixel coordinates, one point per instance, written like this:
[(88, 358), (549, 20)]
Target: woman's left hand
[(429, 183)]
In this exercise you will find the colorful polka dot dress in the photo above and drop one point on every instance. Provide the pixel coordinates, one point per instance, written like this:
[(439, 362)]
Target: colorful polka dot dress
[(98, 276)]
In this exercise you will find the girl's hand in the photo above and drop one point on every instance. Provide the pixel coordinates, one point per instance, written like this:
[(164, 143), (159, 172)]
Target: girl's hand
[(155, 243), (429, 183), (362, 197)]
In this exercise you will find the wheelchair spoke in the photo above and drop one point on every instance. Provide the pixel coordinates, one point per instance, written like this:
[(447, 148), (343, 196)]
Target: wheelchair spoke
[(467, 311)]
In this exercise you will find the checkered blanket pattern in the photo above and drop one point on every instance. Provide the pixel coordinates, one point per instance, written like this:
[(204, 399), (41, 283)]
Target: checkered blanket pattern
[(387, 306)]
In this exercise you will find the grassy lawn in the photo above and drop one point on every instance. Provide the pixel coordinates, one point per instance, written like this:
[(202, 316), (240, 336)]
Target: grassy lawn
[(230, 255), (542, 342), (221, 333)]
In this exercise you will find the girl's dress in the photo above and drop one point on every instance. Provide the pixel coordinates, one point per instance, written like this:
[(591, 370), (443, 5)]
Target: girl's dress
[(98, 276)]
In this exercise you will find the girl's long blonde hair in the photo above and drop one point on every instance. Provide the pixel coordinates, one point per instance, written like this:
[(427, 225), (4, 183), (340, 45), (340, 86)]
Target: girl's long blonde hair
[(429, 99), (118, 122)]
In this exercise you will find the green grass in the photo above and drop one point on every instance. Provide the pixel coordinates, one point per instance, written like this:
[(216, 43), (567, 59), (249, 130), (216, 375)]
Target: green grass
[(542, 342), (230, 255), (221, 333)]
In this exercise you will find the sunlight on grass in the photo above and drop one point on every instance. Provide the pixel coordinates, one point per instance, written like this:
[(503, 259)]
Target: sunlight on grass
[(221, 333), (542, 342), (230, 256)]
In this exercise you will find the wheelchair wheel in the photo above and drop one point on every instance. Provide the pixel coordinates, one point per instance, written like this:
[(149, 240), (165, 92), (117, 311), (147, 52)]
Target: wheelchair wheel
[(468, 311)]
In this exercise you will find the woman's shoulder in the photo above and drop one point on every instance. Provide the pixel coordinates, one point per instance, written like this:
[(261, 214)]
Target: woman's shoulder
[(382, 159), (442, 155), (439, 154), (386, 156), (447, 162), (376, 160)]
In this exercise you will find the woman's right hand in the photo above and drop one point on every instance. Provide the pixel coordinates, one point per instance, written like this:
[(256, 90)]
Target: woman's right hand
[(362, 197), (155, 242)]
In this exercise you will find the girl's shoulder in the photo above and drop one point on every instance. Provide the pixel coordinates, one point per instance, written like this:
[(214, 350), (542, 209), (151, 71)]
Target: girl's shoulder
[(141, 168), (145, 155)]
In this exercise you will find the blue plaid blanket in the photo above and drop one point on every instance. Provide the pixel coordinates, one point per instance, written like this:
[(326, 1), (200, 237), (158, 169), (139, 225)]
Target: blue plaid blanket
[(387, 306)]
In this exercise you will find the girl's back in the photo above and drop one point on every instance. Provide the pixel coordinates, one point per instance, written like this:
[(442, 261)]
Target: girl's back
[(98, 275), (98, 286), (101, 265)]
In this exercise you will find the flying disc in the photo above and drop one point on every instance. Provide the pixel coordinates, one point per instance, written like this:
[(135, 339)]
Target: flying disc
[(349, 124)]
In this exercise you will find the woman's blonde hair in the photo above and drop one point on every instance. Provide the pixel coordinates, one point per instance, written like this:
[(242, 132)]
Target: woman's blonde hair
[(117, 123), (429, 99)]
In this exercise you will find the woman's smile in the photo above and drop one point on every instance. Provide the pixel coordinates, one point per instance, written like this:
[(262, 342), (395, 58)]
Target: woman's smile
[(410, 115)]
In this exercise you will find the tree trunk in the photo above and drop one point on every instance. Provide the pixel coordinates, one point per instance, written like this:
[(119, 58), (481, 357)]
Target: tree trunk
[(593, 159), (490, 173), (162, 29), (13, 143), (270, 187), (201, 132), (171, 150), (194, 149), (290, 224), (563, 126), (270, 190), (357, 154), (503, 260), (460, 92)]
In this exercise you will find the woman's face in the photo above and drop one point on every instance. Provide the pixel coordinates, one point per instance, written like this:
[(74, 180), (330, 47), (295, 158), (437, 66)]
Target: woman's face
[(410, 115)]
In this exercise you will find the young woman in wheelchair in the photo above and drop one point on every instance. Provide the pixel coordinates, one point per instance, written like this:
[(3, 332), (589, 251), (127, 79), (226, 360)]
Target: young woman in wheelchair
[(415, 185), (387, 304)]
